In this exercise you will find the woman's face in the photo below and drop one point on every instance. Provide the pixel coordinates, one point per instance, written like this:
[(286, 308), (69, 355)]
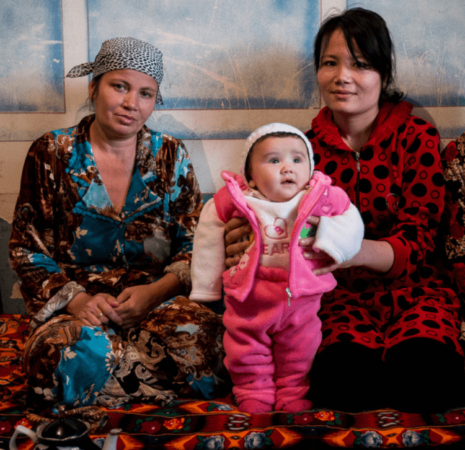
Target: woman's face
[(348, 87), (124, 101)]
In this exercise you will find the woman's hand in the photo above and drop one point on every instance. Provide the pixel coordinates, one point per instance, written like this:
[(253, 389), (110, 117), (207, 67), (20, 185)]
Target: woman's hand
[(329, 264), (135, 302), (310, 253), (234, 230), (374, 255), (94, 310)]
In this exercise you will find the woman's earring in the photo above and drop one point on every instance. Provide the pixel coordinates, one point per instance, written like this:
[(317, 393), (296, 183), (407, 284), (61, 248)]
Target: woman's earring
[(252, 184)]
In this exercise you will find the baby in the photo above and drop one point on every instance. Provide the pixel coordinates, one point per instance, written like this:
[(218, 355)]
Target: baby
[(272, 295)]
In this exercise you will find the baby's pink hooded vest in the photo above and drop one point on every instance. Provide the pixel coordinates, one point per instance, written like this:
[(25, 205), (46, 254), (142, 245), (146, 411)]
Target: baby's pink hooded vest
[(322, 199)]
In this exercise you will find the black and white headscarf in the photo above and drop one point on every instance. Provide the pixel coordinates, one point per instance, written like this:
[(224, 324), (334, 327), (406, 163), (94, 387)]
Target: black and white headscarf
[(124, 53)]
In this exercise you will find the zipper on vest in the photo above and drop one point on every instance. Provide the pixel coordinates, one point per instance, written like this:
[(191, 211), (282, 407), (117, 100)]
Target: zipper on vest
[(357, 187), (289, 296), (295, 236)]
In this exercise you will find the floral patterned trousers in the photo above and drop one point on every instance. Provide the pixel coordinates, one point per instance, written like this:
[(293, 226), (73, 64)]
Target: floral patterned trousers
[(177, 350)]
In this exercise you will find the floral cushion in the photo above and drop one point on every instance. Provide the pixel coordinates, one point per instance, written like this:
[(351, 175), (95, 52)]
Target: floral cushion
[(453, 160), (196, 425), (453, 224)]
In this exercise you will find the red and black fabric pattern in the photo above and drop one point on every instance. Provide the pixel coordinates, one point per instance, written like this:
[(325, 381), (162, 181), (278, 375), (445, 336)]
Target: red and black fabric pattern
[(397, 183)]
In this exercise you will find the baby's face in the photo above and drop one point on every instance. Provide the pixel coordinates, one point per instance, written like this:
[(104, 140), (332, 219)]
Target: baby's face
[(279, 167)]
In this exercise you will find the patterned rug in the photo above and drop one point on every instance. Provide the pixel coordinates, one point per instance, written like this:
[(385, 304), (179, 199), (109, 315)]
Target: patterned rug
[(196, 425)]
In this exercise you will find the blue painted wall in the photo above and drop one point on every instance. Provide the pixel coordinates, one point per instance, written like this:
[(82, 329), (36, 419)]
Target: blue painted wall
[(221, 54), (31, 55), (429, 37)]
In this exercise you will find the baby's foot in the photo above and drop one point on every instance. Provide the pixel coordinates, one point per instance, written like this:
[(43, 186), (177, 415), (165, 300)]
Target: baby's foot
[(255, 407), (297, 406)]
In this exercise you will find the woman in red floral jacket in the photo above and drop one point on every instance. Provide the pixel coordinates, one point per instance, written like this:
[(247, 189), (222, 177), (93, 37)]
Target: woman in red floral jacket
[(391, 327)]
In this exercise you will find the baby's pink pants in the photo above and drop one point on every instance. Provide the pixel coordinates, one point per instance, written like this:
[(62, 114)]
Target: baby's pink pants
[(269, 345)]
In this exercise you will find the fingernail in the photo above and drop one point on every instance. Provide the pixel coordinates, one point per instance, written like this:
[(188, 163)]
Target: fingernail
[(306, 255)]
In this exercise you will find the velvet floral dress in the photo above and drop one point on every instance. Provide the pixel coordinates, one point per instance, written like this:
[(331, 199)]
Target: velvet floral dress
[(68, 238)]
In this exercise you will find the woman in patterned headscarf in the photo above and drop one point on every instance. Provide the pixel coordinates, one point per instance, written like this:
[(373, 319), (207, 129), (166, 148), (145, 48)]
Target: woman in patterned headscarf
[(101, 243)]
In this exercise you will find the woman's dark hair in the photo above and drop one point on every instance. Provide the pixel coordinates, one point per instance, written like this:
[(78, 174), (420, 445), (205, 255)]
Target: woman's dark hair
[(368, 31)]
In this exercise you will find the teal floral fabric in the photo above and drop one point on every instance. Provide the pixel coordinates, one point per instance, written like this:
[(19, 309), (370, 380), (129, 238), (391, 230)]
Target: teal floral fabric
[(94, 345), (67, 237), (177, 350)]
